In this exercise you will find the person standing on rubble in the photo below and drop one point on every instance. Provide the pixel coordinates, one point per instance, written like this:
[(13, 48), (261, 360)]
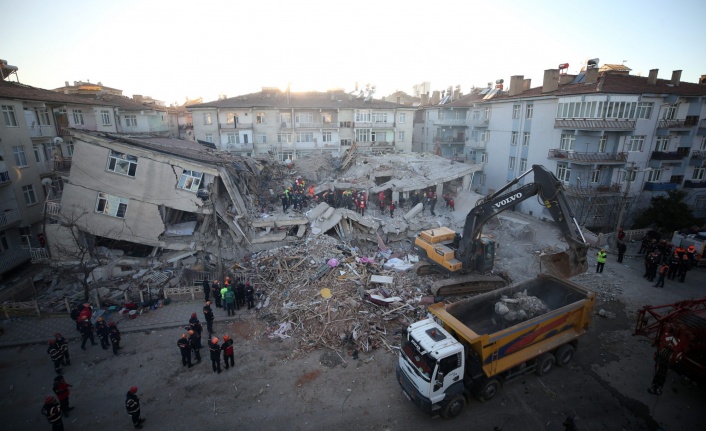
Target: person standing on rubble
[(115, 337), (208, 315), (86, 332), (215, 351), (229, 299), (663, 271), (195, 344), (206, 288), (185, 350), (239, 295), (433, 203), (224, 289), (602, 256), (216, 292), (228, 352), (63, 347), (361, 205), (392, 208), (250, 295), (103, 331)]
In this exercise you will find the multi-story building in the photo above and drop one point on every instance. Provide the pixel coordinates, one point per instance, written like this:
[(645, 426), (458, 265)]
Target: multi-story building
[(291, 125), (615, 140)]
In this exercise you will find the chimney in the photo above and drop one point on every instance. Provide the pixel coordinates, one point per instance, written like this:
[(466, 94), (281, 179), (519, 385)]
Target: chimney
[(526, 84), (551, 80), (425, 99), (652, 79), (398, 100), (66, 83), (516, 86), (565, 78), (356, 86), (435, 97), (591, 75), (676, 76), (702, 80)]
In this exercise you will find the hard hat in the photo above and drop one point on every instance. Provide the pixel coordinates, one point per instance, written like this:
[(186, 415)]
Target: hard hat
[(48, 400), (191, 332), (226, 338), (133, 389), (100, 319), (183, 335), (602, 250), (214, 340), (193, 314), (691, 248)]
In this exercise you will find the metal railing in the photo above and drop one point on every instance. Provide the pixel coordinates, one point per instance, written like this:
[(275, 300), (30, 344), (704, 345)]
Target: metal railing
[(587, 157), (5, 178), (9, 217), (12, 259)]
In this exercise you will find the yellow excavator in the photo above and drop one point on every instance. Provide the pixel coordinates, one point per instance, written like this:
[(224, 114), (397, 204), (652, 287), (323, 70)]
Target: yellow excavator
[(469, 258)]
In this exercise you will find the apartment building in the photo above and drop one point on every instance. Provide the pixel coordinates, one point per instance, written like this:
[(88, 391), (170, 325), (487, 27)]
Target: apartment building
[(614, 139), (290, 125)]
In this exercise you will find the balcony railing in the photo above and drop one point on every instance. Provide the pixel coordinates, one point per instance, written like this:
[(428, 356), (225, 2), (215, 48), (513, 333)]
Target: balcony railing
[(5, 178), (235, 125), (451, 122), (690, 184), (9, 217), (12, 259), (576, 157), (37, 131), (38, 254), (675, 124), (239, 147), (52, 208), (62, 165), (593, 190), (308, 125), (697, 154), (660, 187), (478, 122), (663, 155), (594, 124), (477, 145)]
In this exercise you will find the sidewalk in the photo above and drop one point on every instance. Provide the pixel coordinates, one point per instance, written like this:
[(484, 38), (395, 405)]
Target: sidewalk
[(39, 330)]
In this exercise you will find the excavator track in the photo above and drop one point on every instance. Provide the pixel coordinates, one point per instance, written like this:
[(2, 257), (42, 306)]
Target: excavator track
[(468, 284)]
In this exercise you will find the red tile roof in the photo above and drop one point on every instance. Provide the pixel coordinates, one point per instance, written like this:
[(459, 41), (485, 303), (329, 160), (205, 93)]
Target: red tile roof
[(17, 91)]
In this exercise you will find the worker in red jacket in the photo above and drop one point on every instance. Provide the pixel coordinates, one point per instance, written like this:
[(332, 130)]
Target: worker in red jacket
[(392, 209), (228, 352), (61, 389)]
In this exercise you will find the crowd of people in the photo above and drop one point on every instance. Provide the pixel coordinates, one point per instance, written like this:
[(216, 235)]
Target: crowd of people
[(664, 260)]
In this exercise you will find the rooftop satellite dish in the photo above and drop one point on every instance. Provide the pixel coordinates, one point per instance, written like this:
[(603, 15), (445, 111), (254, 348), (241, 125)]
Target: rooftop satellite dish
[(47, 181)]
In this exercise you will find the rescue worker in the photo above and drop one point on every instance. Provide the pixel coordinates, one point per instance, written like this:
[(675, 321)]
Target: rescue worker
[(684, 267), (674, 262), (283, 198), (54, 352), (224, 289), (132, 405), (691, 252), (652, 265), (361, 206), (195, 345), (311, 191), (644, 244), (621, 234), (185, 350), (206, 289), (229, 299), (452, 204), (228, 352), (86, 328), (194, 324), (602, 255), (61, 389), (215, 351), (392, 208), (102, 330), (63, 346), (250, 295), (239, 295), (433, 203), (216, 292), (114, 336), (52, 410), (208, 315), (663, 271), (622, 248)]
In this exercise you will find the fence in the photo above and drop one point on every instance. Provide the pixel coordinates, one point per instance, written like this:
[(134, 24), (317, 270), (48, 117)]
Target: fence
[(16, 309), (170, 292)]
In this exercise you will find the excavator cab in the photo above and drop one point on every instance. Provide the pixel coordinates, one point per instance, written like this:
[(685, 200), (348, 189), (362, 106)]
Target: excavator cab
[(484, 255)]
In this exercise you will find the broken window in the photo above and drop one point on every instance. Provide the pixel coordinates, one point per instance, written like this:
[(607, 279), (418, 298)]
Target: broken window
[(231, 118), (111, 205), (190, 180), (121, 163), (78, 117)]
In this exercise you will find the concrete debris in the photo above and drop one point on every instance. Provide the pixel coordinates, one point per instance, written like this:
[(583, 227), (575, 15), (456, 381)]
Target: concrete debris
[(520, 308)]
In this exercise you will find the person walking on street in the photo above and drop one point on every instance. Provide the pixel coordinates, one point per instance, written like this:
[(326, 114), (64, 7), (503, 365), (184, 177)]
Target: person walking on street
[(132, 405), (103, 331), (215, 351), (602, 256), (185, 350), (61, 389), (63, 347), (216, 293), (208, 315), (250, 295), (228, 351), (55, 353), (229, 299), (52, 410), (86, 332), (195, 345), (206, 289), (115, 337), (663, 271), (622, 248)]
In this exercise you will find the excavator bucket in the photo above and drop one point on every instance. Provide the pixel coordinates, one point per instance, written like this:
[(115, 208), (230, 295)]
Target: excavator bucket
[(566, 264)]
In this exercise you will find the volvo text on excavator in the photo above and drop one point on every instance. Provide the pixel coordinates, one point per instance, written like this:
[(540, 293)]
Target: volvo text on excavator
[(449, 253)]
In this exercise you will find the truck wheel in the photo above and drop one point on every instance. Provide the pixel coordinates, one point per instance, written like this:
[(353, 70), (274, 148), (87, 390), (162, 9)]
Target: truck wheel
[(489, 390), (564, 355), (454, 407), (545, 363)]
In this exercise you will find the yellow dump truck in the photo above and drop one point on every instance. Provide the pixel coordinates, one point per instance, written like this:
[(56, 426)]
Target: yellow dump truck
[(474, 346)]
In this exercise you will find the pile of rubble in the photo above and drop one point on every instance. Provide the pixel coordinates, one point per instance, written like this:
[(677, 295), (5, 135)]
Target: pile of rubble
[(520, 307)]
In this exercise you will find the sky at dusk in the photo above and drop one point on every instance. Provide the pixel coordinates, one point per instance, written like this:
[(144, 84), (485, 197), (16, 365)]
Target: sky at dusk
[(171, 50)]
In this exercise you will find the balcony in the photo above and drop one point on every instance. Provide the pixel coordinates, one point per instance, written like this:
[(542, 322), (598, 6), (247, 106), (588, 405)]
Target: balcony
[(5, 178), (36, 131), (9, 218), (691, 184), (52, 208), (451, 122), (585, 191), (660, 187), (697, 158), (477, 145), (594, 124), (38, 254), (234, 126), (672, 155), (12, 259), (587, 158), (478, 122), (308, 125), (676, 124)]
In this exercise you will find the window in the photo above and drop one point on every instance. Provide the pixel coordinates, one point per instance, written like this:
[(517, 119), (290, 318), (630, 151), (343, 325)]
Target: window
[(523, 165), (654, 175), (284, 118), (616, 109), (702, 147), (636, 142), (231, 138), (563, 173), (400, 136), (346, 124), (286, 155), (511, 163), (20, 157), (30, 196), (326, 117), (628, 175), (526, 139), (231, 118), (484, 158), (8, 113), (596, 176), (105, 116), (567, 142), (514, 137), (305, 137), (379, 136), (530, 111), (70, 148), (305, 117), (670, 112), (700, 202), (207, 120), (486, 113), (485, 135), (111, 205), (131, 121), (209, 137), (363, 116), (190, 180), (121, 163), (662, 143), (602, 141), (345, 142), (403, 117), (698, 174), (475, 115), (515, 111), (326, 137), (4, 246), (43, 117), (78, 116), (644, 110), (261, 139), (284, 138), (362, 135), (260, 118), (380, 117)]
